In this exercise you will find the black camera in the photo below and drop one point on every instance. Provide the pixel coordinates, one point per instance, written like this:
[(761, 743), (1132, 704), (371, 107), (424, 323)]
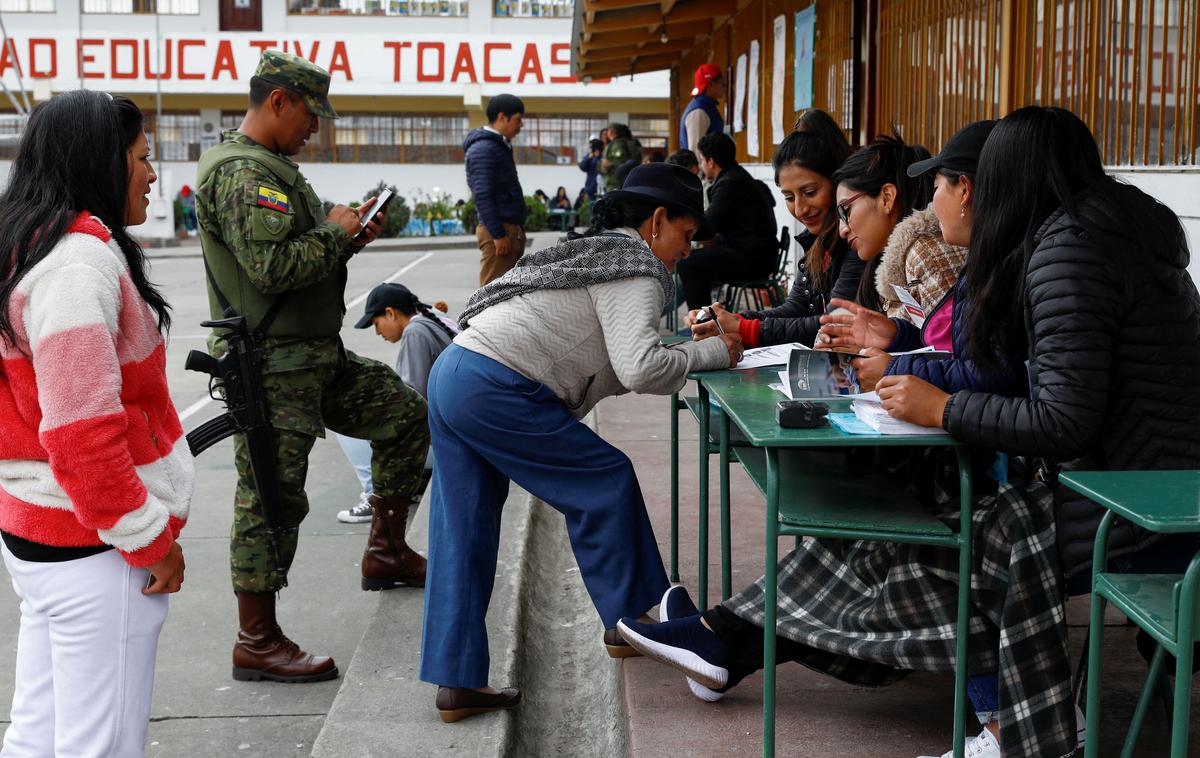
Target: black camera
[(801, 414)]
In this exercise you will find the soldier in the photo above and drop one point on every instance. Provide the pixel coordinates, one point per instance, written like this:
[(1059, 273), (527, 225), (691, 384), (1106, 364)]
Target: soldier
[(272, 256)]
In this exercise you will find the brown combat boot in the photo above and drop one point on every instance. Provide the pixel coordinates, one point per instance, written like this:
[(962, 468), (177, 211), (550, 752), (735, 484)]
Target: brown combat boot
[(263, 652), (388, 561)]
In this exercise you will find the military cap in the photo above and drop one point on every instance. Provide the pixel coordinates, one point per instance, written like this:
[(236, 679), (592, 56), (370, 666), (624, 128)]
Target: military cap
[(307, 79)]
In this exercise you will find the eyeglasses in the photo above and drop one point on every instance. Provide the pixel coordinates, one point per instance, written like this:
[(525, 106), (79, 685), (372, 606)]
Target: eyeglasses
[(843, 208)]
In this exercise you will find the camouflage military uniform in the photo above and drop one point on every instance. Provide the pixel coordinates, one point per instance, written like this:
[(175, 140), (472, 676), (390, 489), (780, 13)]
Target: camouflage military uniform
[(618, 151), (264, 238)]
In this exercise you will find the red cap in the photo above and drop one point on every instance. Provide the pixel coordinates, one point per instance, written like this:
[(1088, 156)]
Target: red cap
[(704, 74)]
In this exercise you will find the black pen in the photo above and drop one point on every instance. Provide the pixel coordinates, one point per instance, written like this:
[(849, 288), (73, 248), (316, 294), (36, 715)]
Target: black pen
[(711, 317)]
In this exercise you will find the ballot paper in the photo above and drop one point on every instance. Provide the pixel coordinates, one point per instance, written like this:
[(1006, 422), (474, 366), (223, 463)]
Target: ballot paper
[(810, 374), (916, 313), (873, 414), (772, 355)]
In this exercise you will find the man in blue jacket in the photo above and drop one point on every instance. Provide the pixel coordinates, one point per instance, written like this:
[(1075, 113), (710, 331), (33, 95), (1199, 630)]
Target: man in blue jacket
[(492, 177), (702, 116)]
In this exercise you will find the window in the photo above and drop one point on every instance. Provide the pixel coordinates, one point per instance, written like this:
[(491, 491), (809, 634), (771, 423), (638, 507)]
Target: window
[(557, 138), (27, 6), (533, 8), (382, 138), (652, 131), (165, 7), (378, 7), (11, 126), (175, 138)]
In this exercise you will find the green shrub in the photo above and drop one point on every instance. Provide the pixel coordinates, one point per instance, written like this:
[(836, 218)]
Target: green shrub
[(398, 211), (469, 215), (537, 218)]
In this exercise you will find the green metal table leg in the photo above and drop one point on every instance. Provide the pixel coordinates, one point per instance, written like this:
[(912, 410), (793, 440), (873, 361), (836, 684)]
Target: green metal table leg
[(771, 601), (1091, 745), (675, 487), (1185, 635), (702, 535), (1143, 703), (726, 569), (962, 628)]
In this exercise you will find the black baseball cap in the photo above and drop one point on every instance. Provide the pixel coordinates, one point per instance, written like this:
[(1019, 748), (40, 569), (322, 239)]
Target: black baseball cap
[(384, 296), (960, 153), (668, 185)]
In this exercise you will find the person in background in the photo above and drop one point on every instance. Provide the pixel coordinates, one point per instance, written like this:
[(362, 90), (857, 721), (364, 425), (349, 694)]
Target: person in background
[(740, 213), (685, 158), (187, 205), (590, 165), (804, 163), (95, 475), (561, 201), (702, 115), (542, 197), (492, 177), (571, 325), (581, 198), (398, 316), (622, 148)]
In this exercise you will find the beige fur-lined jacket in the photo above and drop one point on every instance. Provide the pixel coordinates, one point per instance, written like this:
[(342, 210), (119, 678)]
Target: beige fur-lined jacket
[(918, 259)]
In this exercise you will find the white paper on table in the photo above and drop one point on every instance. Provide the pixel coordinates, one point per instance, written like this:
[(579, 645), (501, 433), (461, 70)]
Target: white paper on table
[(929, 351), (739, 94), (771, 355), (778, 79), (786, 387), (916, 313), (752, 117)]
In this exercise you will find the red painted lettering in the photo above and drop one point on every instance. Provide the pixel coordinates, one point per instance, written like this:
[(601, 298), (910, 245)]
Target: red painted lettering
[(262, 45), (396, 48), (439, 48), (225, 62), (561, 60), (488, 47), (85, 57), (43, 73), (312, 51), (165, 58), (464, 64), (181, 50), (114, 59), (339, 61), (530, 64), (8, 58)]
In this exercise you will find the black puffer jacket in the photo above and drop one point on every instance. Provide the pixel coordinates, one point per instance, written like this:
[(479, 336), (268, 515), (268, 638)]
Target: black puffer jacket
[(1114, 332), (798, 319)]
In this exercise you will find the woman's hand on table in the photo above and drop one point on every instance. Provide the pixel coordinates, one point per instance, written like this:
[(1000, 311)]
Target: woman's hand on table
[(856, 326), (913, 400), (869, 366), (733, 343), (730, 322)]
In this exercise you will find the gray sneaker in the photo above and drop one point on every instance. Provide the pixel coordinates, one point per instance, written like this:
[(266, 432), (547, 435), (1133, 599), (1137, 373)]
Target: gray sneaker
[(359, 514)]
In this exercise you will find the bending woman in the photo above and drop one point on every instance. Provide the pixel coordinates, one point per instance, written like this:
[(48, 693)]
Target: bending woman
[(95, 478), (1109, 320), (542, 345)]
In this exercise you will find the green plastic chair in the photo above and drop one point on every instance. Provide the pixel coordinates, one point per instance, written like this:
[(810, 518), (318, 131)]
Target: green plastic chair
[(1164, 605)]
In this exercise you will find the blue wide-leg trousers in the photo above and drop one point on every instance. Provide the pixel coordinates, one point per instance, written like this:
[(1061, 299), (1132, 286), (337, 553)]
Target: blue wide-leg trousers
[(489, 425)]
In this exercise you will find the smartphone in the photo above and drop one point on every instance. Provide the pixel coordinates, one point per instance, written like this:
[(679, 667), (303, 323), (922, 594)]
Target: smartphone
[(381, 204)]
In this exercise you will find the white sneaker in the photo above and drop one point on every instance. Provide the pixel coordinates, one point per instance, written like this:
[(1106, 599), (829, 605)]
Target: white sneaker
[(359, 514), (983, 746)]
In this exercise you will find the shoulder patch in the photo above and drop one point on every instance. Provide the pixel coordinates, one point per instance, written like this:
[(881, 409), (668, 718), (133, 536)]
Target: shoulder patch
[(272, 198)]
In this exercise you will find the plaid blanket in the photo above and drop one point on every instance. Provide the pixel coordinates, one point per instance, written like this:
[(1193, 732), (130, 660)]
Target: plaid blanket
[(869, 613)]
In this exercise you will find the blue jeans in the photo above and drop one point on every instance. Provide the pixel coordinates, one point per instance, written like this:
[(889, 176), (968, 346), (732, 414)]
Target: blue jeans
[(358, 452), (984, 692), (490, 425)]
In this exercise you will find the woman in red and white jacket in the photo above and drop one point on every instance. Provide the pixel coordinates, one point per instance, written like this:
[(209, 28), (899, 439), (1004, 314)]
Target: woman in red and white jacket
[(95, 476)]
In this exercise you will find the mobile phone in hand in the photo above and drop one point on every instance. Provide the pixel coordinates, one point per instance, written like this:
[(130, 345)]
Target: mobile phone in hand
[(381, 203)]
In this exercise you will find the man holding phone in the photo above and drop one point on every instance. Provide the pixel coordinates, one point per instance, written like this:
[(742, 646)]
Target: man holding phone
[(273, 256)]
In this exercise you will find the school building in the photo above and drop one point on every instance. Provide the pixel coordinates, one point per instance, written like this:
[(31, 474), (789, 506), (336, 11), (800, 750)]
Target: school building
[(1129, 68), (410, 78)]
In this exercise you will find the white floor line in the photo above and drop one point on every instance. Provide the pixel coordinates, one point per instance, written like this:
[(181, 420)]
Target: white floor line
[(195, 407)]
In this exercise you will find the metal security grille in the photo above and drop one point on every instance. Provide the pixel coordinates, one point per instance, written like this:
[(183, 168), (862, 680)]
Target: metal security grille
[(1126, 67), (166, 7), (378, 7), (533, 8), (175, 138), (556, 137), (27, 6)]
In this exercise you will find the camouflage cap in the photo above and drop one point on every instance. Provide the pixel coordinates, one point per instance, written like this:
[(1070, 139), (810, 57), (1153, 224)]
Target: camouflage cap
[(306, 79)]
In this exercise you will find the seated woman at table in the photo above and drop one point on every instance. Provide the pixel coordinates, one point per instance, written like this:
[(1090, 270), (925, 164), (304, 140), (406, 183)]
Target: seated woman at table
[(561, 201), (567, 327), (804, 164), (953, 195), (1108, 318)]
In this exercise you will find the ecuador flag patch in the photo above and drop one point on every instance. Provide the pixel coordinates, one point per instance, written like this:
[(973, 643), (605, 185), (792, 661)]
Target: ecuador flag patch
[(273, 199)]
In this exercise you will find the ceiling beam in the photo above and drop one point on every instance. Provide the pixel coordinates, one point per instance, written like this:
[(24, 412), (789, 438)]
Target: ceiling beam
[(633, 18), (601, 6), (624, 67), (688, 30), (648, 47)]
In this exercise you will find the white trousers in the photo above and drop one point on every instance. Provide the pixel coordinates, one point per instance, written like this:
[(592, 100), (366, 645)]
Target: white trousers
[(85, 658)]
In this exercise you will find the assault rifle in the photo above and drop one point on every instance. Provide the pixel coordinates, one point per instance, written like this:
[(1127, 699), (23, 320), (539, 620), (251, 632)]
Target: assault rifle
[(237, 376)]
